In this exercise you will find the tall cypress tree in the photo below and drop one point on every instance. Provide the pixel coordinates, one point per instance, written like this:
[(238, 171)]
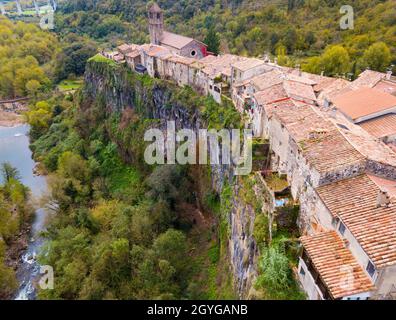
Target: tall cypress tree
[(212, 40)]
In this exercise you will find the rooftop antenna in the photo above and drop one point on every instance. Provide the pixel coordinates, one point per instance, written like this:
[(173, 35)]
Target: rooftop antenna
[(19, 8), (2, 8), (266, 57), (389, 72), (298, 67), (36, 7)]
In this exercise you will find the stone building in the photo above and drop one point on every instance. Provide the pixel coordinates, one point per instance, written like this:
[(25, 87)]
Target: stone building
[(184, 46)]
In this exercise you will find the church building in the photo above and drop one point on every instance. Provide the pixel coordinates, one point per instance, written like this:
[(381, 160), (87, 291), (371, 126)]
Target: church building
[(181, 45)]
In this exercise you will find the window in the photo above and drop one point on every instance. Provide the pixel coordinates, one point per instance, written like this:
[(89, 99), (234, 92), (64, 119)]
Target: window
[(193, 53), (302, 271), (370, 269), (341, 228), (334, 222)]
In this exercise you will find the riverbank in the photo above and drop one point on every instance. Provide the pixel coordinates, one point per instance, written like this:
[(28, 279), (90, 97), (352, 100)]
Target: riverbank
[(24, 247), (15, 251), (10, 119), (11, 114)]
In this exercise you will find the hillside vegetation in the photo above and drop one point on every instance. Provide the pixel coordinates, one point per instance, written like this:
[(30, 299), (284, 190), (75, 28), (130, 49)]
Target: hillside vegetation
[(122, 229), (293, 30), (15, 214), (26, 54)]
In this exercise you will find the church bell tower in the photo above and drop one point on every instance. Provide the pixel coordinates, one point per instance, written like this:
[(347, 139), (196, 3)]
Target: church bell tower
[(156, 23)]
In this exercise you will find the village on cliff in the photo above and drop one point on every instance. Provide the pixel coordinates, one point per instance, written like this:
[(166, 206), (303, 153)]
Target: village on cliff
[(334, 140)]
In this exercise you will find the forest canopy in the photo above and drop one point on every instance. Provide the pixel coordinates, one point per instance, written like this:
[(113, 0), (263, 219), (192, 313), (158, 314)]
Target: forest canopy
[(299, 30), (26, 58)]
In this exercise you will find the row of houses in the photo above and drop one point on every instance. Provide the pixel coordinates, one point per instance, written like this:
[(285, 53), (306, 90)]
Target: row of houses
[(213, 75), (327, 136), (334, 140)]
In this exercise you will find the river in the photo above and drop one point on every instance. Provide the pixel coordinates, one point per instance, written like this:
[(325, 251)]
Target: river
[(14, 148)]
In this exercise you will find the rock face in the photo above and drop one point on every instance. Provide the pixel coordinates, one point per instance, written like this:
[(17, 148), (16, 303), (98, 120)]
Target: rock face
[(243, 248), (157, 99)]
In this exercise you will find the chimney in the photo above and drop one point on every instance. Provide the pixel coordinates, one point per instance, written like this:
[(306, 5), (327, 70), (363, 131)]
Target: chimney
[(389, 74), (383, 199), (298, 67), (333, 113)]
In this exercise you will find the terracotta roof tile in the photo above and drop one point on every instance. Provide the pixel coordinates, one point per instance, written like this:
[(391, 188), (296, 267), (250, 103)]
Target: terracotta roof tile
[(296, 89), (386, 185), (323, 146), (126, 48), (381, 127), (363, 102), (335, 264), (386, 86), (367, 78), (155, 8), (220, 64), (248, 63), (175, 40), (285, 89), (354, 201), (267, 79), (364, 143), (331, 89), (181, 59)]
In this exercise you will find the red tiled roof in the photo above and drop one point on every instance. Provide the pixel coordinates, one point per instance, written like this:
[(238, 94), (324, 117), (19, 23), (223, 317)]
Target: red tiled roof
[(176, 40), (297, 90), (386, 86), (267, 79), (285, 89), (248, 63), (363, 102), (181, 60), (367, 78), (381, 127), (327, 150), (386, 185), (354, 201), (155, 8), (331, 89), (336, 265), (126, 48)]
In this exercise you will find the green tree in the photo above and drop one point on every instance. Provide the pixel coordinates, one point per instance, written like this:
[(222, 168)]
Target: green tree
[(8, 172), (32, 87), (335, 61), (377, 57), (275, 272), (172, 246), (212, 40)]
